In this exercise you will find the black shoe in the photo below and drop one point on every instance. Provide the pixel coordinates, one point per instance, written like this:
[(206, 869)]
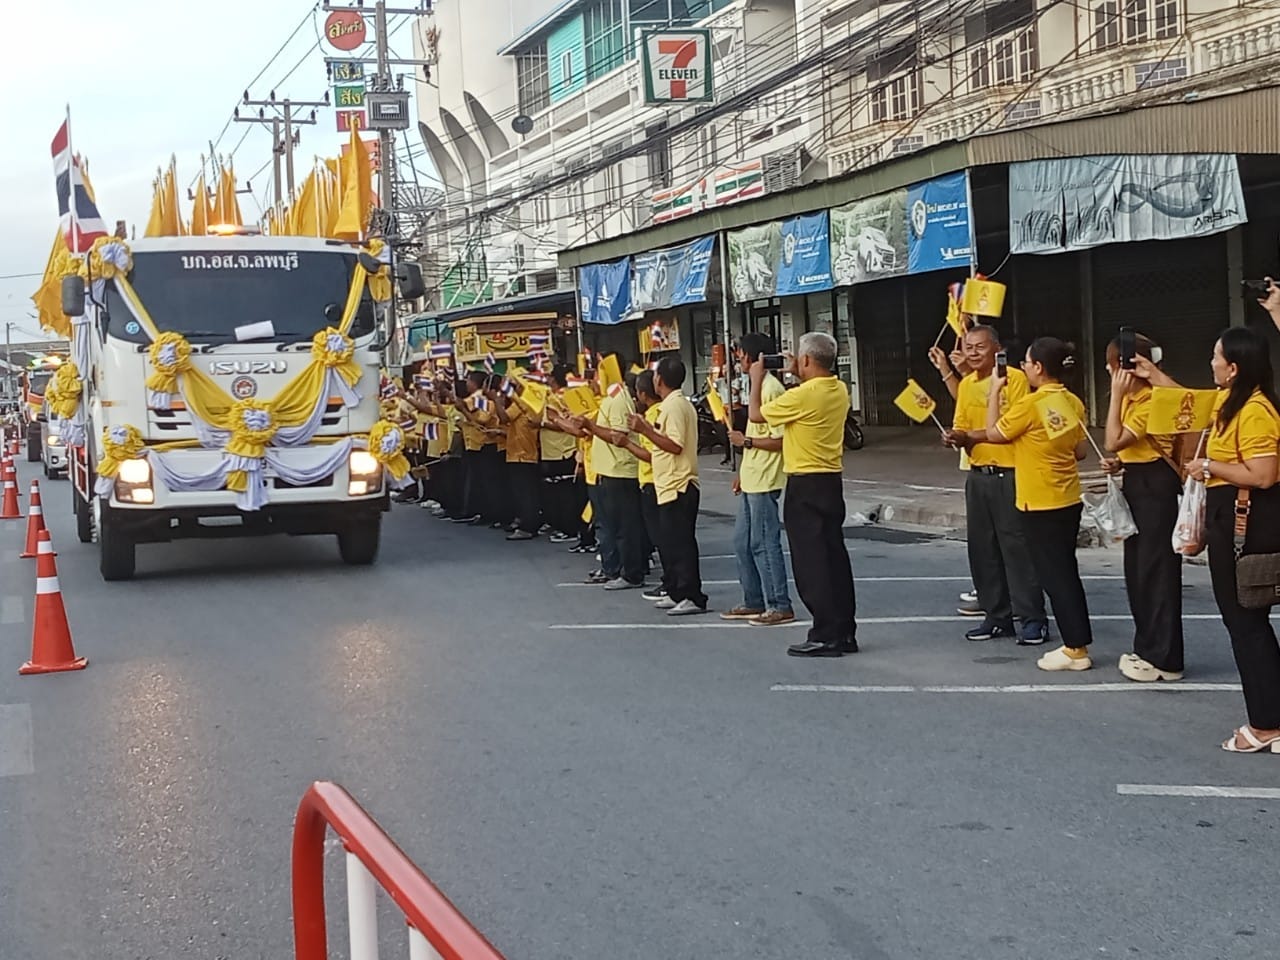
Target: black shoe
[(990, 631), (849, 646), (472, 519), (655, 594), (809, 649), (597, 576)]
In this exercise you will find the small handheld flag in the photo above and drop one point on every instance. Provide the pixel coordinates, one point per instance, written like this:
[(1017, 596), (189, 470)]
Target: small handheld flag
[(1056, 414), (916, 403), (716, 403), (490, 361), (508, 388), (433, 431), (615, 389), (538, 342), (1175, 410), (481, 403), (388, 390), (440, 351)]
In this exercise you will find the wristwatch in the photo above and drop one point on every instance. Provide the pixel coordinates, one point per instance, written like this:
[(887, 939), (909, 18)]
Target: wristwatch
[(749, 444)]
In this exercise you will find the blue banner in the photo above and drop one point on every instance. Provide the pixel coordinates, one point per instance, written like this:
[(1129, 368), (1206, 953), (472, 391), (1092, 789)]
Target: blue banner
[(604, 291), (938, 235), (666, 278), (805, 262)]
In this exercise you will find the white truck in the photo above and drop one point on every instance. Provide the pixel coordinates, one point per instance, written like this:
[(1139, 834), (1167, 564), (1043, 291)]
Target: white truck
[(248, 307)]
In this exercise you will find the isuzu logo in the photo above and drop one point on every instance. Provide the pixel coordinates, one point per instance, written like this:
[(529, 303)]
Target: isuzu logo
[(229, 368)]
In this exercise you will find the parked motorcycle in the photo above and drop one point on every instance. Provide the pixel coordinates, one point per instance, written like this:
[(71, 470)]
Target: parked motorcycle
[(853, 438)]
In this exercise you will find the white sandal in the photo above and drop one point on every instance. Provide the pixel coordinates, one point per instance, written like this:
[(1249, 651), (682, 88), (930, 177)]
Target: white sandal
[(1255, 745)]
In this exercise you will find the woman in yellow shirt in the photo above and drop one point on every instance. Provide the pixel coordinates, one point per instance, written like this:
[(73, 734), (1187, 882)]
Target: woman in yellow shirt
[(1046, 428), (1152, 571), (1242, 448)]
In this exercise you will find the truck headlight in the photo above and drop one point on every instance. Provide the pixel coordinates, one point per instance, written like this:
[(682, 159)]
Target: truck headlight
[(366, 474), (133, 482), (55, 440)]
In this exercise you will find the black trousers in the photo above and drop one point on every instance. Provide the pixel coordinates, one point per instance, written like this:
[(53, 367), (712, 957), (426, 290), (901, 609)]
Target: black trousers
[(559, 495), (813, 513), (525, 483), (1152, 571), (1052, 535), (444, 485), (501, 506), (678, 534), (999, 557), (474, 485), (1253, 639), (620, 498), (653, 528)]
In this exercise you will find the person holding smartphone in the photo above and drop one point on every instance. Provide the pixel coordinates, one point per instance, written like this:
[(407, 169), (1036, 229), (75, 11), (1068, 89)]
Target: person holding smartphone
[(1046, 430), (999, 556), (1152, 484)]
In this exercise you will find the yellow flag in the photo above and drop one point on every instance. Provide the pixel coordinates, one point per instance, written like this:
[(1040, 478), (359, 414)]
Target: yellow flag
[(533, 395), (1056, 413), (955, 319), (200, 210), (155, 221), (357, 191), (226, 207), (48, 299), (636, 369), (581, 402), (1175, 410), (587, 514), (915, 402), (304, 220), (609, 372), (716, 403)]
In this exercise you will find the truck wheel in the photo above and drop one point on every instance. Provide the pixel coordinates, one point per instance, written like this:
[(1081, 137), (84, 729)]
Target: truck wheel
[(358, 543), (116, 549), (84, 516)]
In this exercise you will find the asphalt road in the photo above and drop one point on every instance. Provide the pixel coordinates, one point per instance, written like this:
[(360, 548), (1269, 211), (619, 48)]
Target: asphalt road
[(617, 790)]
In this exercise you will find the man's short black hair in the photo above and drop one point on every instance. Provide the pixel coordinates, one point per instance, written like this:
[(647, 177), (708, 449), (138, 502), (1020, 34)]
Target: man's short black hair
[(477, 379), (671, 371), (754, 344), (560, 375), (644, 384)]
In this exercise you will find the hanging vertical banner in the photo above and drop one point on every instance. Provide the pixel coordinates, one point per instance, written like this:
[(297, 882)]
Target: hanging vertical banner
[(869, 239), (781, 259), (671, 276), (604, 291), (938, 235), (1081, 202)]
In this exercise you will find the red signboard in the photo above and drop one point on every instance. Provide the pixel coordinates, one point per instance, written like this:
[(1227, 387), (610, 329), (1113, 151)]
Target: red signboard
[(345, 30), (351, 119)]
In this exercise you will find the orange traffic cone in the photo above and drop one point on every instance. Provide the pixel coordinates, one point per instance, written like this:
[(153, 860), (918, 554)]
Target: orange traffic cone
[(51, 649), (35, 521), (9, 507)]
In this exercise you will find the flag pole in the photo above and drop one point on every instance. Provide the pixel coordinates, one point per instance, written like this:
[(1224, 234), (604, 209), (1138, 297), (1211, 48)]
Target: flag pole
[(71, 184), (938, 423)]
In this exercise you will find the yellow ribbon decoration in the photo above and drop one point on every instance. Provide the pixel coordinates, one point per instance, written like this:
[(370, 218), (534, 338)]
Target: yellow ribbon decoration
[(386, 444), (170, 355), (380, 282), (118, 445), (102, 263), (63, 391), (336, 351), (252, 425)]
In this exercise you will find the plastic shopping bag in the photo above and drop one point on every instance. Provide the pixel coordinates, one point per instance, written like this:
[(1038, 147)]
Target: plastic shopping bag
[(1188, 532), (1110, 512)]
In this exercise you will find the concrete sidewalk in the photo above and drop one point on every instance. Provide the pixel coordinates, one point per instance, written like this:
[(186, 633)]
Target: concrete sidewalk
[(902, 477)]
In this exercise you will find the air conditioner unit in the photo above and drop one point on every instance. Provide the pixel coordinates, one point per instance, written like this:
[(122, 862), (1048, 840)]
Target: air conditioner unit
[(782, 170)]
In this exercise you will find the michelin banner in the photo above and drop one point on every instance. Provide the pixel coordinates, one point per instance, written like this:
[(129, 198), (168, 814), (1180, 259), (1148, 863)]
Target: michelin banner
[(604, 291), (938, 236), (781, 259), (1081, 202), (667, 278)]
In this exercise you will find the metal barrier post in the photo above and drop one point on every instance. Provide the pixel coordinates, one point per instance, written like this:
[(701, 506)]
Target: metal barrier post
[(420, 948), (362, 910)]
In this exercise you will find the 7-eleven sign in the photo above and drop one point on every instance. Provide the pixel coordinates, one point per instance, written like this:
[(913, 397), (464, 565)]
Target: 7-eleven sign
[(677, 66)]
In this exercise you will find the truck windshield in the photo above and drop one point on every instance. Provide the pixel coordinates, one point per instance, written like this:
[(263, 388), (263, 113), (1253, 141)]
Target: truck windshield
[(206, 296), (36, 383)]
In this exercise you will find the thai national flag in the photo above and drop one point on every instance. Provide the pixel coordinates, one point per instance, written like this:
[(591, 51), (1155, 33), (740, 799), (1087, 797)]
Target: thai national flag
[(490, 361), (441, 351), (78, 215), (433, 431), (538, 343)]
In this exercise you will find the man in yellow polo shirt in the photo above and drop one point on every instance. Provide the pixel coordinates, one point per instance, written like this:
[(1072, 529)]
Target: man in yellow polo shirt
[(524, 475), (812, 417), (674, 436), (619, 528), (999, 555)]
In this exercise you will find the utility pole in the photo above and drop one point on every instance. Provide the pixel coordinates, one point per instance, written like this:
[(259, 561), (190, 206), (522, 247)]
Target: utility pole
[(285, 113)]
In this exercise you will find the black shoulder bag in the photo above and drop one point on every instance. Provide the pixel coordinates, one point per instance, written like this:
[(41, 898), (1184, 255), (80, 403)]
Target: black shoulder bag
[(1257, 575)]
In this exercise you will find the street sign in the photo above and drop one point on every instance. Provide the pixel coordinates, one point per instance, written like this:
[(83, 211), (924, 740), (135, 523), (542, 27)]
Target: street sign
[(345, 71), (388, 111), (677, 66), (349, 120), (345, 30), (349, 97)]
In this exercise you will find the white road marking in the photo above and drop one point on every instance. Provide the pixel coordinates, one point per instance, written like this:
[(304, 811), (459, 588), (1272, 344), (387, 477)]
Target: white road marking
[(709, 621), (1012, 688), (727, 583), (15, 740), (11, 610), (1174, 790)]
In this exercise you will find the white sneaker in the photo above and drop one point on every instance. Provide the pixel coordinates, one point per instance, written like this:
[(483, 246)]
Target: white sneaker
[(620, 583), (666, 603), (970, 597), (1057, 660), (685, 608), (1142, 671)]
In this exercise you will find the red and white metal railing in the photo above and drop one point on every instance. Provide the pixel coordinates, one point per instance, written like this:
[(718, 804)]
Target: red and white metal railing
[(437, 931)]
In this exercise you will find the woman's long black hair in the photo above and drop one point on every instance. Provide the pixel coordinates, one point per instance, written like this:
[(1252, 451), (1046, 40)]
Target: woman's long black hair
[(1249, 351)]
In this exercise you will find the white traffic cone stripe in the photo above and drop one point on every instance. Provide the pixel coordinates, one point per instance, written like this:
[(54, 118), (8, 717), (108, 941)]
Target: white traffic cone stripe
[(35, 510), (44, 546), (46, 585)]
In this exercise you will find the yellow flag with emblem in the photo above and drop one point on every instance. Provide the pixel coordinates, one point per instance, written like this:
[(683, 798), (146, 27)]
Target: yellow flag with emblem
[(609, 371), (915, 402), (1056, 413), (581, 402), (716, 403), (1175, 410), (532, 394)]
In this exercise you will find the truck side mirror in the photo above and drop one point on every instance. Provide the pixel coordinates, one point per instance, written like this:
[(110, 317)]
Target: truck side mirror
[(409, 280), (370, 263), (73, 296)]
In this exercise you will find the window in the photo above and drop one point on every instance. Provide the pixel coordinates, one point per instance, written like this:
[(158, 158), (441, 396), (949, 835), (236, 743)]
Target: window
[(1004, 62), (659, 154), (1137, 21), (566, 68), (1106, 25), (1028, 54), (896, 100), (613, 185), (542, 210), (603, 39), (1007, 54), (1166, 18), (979, 69), (533, 88)]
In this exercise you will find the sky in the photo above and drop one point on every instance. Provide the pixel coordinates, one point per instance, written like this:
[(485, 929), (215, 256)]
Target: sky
[(146, 79)]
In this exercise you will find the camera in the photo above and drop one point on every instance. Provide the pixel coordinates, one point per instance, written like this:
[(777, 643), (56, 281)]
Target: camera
[(1255, 289), (774, 361), (1002, 365)]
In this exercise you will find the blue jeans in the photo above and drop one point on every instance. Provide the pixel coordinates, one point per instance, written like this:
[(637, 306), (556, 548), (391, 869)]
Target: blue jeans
[(757, 541)]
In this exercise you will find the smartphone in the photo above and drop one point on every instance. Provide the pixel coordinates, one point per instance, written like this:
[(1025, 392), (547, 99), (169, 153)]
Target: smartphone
[(1002, 365), (774, 361), (1255, 289), (1128, 348)]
